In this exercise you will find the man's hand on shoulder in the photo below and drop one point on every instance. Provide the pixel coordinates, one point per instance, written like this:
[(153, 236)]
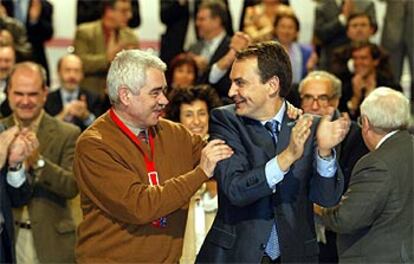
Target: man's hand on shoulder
[(215, 151)]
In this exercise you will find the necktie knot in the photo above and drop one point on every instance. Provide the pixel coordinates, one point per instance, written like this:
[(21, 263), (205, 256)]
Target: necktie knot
[(273, 127), (142, 135)]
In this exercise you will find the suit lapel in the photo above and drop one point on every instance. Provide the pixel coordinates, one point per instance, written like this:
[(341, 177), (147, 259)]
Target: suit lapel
[(284, 134), (45, 132), (221, 49), (260, 136)]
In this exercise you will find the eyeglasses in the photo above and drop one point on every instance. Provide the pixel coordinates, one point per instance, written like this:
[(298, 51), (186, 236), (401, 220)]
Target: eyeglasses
[(321, 99)]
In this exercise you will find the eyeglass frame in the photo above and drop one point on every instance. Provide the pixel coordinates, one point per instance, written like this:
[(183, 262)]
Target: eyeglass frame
[(317, 98)]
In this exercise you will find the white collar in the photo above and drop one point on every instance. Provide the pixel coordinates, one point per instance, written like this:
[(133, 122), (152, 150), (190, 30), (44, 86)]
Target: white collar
[(385, 138)]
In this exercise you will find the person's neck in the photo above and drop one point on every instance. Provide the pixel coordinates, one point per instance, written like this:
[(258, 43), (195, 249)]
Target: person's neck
[(271, 108), (213, 35), (108, 24), (127, 120), (69, 90)]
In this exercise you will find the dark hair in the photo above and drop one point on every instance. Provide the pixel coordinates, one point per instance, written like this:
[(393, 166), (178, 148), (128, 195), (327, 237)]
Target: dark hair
[(272, 60), (217, 9), (287, 15), (361, 14), (178, 61), (104, 4), (377, 53), (202, 92)]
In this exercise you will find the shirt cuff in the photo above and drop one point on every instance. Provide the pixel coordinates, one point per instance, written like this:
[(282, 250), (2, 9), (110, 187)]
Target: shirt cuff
[(16, 178), (273, 173), (215, 74), (342, 19), (326, 167)]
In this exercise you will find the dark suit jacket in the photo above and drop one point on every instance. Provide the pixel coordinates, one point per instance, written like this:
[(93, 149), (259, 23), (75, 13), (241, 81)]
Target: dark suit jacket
[(10, 197), (328, 29), (248, 207), (175, 18), (375, 222), (223, 85), (351, 149), (37, 33), (54, 104), (53, 185)]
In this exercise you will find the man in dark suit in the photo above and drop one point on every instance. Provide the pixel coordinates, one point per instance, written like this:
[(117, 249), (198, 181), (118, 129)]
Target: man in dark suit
[(70, 102), (7, 61), (320, 92), (266, 189), (214, 44), (179, 17), (331, 17), (14, 189), (36, 15), (374, 221)]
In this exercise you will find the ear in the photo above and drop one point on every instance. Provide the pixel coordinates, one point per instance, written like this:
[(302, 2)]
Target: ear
[(274, 85), (124, 95)]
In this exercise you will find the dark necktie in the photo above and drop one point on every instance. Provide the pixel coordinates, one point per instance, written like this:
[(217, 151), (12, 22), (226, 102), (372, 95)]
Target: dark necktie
[(272, 247), (142, 135), (273, 127)]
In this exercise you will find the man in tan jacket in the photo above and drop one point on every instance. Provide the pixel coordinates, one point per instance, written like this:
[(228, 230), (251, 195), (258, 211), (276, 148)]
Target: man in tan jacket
[(135, 189), (44, 228), (97, 42)]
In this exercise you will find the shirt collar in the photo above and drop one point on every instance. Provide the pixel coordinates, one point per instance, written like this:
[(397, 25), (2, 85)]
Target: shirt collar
[(34, 126), (279, 115), (387, 136), (65, 94)]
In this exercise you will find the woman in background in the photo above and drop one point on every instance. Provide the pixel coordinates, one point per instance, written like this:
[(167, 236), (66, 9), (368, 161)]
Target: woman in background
[(191, 107), (182, 72), (259, 19)]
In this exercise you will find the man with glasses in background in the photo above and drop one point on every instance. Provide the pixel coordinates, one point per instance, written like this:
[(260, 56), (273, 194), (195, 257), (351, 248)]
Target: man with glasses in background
[(320, 92)]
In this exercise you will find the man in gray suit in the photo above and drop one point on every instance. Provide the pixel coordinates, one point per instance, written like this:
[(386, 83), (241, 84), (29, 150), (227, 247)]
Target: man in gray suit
[(374, 221)]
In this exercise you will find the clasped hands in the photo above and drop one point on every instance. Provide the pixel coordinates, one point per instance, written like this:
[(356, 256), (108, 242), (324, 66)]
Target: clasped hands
[(17, 146)]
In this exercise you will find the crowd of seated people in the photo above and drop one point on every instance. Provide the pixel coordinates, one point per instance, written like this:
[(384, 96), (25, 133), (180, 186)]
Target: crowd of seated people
[(199, 46)]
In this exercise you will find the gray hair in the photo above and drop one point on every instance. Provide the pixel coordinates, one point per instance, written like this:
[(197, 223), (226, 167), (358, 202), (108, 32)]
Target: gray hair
[(129, 70), (335, 82), (386, 109)]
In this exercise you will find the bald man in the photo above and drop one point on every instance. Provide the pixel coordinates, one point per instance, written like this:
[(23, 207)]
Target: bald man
[(70, 102)]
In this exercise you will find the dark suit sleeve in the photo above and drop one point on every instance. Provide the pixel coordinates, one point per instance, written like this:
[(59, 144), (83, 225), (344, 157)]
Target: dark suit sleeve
[(364, 200), (241, 184), (19, 196), (42, 30), (170, 10), (135, 21), (327, 30)]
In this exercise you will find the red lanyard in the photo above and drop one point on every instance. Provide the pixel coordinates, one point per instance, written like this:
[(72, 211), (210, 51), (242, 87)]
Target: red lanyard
[(149, 161)]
